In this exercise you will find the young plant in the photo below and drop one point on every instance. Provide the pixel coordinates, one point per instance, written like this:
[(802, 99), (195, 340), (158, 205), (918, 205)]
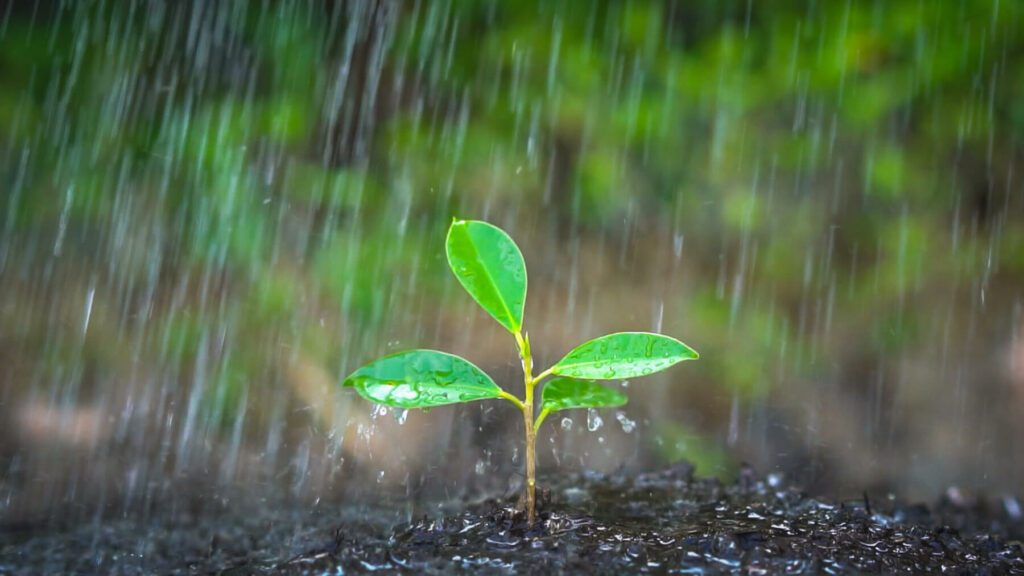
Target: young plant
[(490, 267)]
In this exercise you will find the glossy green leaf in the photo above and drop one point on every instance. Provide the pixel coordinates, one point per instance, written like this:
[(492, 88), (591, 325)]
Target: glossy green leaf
[(623, 355), (422, 379), (490, 267), (566, 393)]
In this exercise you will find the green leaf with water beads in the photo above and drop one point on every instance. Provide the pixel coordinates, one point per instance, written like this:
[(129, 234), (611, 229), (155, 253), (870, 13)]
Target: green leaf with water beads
[(566, 393), (490, 267), (422, 379), (623, 355)]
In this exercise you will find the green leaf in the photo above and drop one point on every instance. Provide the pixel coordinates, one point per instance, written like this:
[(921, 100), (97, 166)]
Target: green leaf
[(490, 267), (623, 355), (422, 379), (566, 393)]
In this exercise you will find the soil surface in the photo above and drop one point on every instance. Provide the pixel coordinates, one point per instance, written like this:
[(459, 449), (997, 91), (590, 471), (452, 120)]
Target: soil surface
[(660, 522)]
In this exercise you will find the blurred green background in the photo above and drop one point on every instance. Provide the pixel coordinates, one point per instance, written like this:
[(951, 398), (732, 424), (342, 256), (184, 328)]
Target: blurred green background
[(213, 211)]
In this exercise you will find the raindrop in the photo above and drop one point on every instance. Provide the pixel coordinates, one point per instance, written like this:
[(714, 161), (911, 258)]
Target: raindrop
[(88, 308), (566, 423), (594, 421), (627, 424), (1012, 507)]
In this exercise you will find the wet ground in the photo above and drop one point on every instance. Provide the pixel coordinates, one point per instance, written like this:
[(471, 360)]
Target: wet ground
[(660, 522)]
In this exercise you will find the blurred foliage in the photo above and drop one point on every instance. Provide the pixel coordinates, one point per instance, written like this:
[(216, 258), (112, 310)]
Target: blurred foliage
[(676, 442), (825, 161)]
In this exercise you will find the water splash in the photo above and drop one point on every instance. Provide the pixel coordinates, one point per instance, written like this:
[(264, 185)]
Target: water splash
[(627, 425)]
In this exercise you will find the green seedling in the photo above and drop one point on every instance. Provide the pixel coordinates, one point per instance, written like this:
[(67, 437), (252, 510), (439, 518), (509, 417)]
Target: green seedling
[(490, 267)]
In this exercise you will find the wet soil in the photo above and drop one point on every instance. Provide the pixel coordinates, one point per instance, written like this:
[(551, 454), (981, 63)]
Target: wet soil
[(659, 522)]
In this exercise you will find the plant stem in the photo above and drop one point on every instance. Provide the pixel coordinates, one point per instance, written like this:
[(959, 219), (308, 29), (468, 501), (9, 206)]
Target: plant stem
[(519, 403), (531, 432), (531, 465), (540, 419), (543, 375)]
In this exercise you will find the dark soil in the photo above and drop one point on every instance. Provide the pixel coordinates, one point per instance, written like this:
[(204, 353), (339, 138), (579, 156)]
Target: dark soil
[(662, 522)]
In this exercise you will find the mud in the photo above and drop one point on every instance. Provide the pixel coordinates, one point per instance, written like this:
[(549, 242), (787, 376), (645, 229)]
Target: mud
[(660, 522)]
